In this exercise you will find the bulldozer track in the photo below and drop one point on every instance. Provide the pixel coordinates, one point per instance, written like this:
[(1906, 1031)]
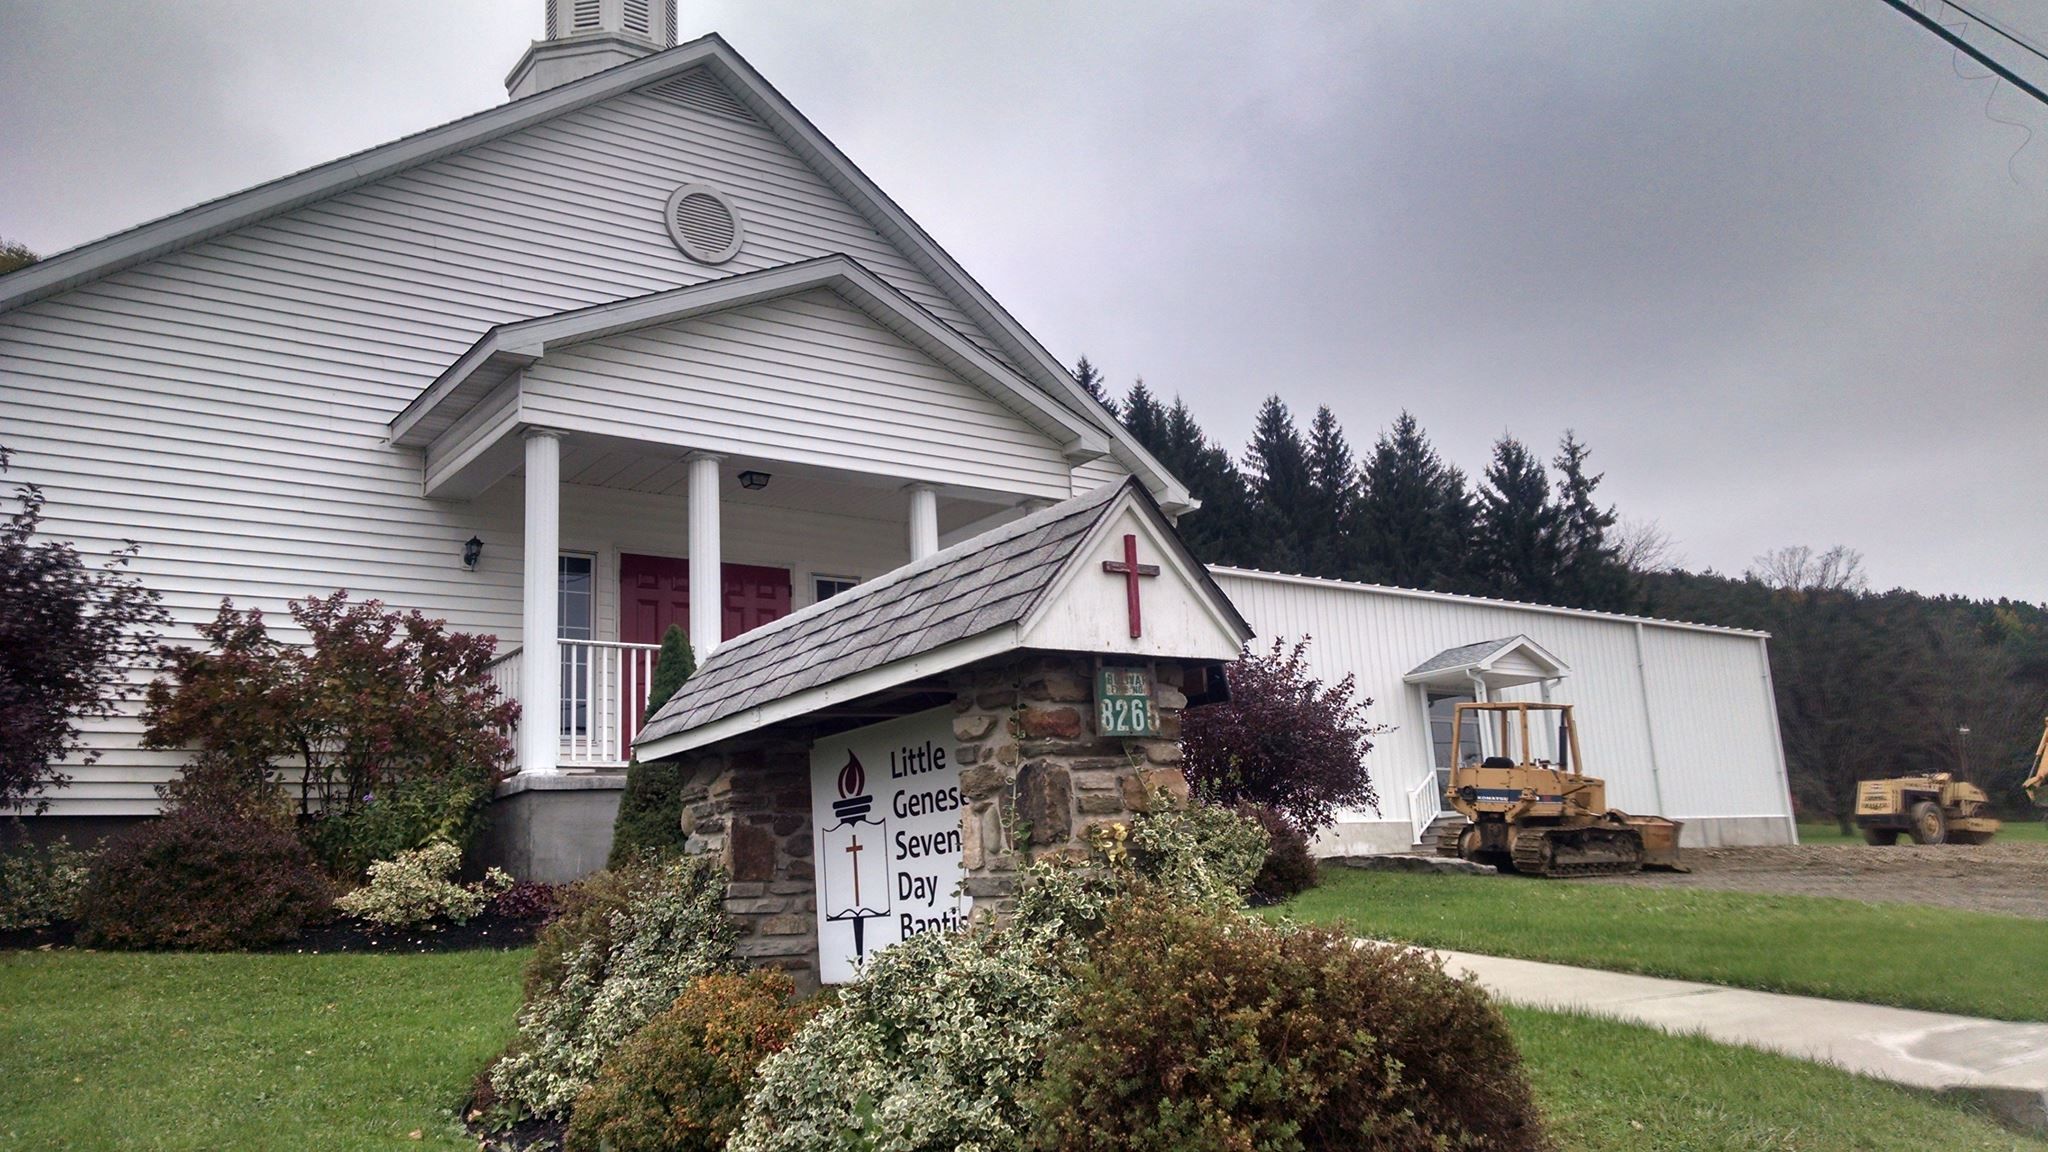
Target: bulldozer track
[(1447, 840), (1535, 855)]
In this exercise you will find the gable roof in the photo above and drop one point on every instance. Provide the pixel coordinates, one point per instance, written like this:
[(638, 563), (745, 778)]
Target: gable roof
[(921, 619), (507, 348), (1455, 663), (160, 237)]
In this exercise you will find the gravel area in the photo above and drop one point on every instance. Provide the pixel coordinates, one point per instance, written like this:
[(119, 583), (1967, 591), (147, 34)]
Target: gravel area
[(2005, 878)]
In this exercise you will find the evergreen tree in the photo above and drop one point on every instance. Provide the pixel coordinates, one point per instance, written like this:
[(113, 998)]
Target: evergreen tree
[(1090, 379), (650, 818), (1330, 520), (1145, 420), (1594, 575), (1415, 521), (1520, 530), (1277, 466), (674, 664)]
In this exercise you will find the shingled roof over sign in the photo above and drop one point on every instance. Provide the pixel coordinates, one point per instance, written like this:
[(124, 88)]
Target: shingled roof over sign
[(977, 587)]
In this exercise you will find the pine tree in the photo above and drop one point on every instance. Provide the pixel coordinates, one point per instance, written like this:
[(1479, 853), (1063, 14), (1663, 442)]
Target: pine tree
[(1332, 541), (1090, 379), (1594, 576), (1145, 420), (1415, 516), (650, 818), (1520, 529), (1276, 463)]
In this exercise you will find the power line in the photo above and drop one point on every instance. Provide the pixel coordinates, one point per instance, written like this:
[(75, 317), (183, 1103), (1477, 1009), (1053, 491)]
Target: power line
[(1969, 49), (2015, 37)]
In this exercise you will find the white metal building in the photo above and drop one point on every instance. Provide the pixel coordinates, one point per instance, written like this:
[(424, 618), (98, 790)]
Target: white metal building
[(1679, 719)]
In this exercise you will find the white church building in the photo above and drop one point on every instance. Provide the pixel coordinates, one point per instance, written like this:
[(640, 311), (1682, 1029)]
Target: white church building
[(638, 347)]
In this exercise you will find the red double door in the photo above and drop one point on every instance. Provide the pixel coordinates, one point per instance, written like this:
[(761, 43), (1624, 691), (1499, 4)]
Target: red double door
[(654, 592)]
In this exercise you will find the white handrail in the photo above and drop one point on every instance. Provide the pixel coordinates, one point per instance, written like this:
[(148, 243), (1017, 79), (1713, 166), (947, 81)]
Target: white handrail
[(1425, 804), (604, 697)]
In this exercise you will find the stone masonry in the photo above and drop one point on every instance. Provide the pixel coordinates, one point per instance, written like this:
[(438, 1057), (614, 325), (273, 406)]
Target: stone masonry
[(1034, 775)]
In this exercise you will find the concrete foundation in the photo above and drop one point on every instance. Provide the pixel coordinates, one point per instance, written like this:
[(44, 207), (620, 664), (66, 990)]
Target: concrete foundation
[(552, 829)]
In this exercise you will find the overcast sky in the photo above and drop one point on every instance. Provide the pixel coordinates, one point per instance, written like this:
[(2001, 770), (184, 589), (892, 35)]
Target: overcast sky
[(1782, 264)]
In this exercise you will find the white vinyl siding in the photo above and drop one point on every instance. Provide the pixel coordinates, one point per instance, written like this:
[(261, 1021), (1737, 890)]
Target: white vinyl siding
[(808, 379), (225, 406), (1700, 694), (1095, 473)]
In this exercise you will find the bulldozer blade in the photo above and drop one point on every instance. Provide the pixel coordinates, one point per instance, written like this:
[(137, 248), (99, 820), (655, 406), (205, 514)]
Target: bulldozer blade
[(1660, 842)]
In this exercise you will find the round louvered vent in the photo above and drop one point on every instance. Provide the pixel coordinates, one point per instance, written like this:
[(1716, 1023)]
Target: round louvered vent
[(703, 224)]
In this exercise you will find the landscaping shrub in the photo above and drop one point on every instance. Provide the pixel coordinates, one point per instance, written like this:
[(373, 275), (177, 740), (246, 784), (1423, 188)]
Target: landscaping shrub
[(624, 946), (1198, 852), (1289, 868), (42, 886), (376, 703), (206, 877), (404, 815), (1283, 739), (1194, 1028), (650, 815), (927, 1052), (418, 887), (932, 1046), (68, 635), (679, 1084), (650, 818), (525, 900)]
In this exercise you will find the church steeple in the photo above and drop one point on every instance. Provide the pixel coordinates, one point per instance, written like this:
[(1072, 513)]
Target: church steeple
[(586, 36)]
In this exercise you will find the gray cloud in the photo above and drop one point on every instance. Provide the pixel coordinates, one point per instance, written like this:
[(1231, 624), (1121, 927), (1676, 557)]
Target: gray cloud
[(1769, 258)]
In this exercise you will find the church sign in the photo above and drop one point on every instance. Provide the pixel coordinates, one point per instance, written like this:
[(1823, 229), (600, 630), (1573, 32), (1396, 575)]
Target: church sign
[(885, 800)]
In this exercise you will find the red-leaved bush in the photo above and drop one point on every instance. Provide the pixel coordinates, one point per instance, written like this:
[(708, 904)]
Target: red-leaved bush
[(375, 700), (68, 634), (1284, 740)]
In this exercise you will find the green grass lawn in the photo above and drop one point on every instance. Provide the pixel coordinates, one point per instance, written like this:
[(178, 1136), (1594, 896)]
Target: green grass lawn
[(2031, 830), (1942, 959), (103, 1050), (349, 1052), (1610, 1087)]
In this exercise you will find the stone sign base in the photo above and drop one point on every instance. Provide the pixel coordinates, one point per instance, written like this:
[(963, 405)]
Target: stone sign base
[(1034, 778)]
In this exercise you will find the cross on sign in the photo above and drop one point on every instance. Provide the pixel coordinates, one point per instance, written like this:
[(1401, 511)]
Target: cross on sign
[(1130, 570), (853, 849)]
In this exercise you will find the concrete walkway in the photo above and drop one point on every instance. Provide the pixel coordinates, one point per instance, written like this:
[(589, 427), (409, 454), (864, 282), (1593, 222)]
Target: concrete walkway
[(2004, 1064)]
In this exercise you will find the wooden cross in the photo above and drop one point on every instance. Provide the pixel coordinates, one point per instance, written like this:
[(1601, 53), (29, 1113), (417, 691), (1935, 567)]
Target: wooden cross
[(853, 849), (1130, 570)]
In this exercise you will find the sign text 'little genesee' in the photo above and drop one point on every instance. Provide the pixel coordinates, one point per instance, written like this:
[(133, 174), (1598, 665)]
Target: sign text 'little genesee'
[(885, 800)]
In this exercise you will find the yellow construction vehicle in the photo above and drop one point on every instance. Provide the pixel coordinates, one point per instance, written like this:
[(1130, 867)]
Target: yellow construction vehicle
[(1544, 817), (1936, 809), (2037, 785)]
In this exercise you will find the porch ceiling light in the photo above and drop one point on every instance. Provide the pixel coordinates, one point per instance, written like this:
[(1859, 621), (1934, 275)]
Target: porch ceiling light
[(472, 551), (754, 481)]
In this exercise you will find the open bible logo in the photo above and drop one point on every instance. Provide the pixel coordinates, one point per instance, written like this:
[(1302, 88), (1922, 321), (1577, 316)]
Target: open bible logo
[(855, 875)]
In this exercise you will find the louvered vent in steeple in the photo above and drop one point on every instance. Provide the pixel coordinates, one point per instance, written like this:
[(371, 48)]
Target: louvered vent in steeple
[(699, 89), (704, 224)]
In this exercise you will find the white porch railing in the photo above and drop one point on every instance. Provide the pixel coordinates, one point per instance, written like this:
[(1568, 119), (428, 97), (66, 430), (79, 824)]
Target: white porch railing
[(1425, 804), (604, 698)]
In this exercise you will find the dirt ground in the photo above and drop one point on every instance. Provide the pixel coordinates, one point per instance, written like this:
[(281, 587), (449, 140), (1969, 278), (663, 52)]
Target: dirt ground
[(2007, 878)]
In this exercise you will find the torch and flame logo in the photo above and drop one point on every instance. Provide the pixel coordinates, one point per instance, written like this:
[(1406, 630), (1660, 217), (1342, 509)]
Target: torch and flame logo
[(853, 802)]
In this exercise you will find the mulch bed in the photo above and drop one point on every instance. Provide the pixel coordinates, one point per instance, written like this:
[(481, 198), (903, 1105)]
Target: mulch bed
[(489, 930)]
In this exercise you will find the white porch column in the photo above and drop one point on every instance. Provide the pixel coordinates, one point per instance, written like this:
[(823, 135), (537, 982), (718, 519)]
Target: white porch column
[(540, 665), (707, 585), (924, 521)]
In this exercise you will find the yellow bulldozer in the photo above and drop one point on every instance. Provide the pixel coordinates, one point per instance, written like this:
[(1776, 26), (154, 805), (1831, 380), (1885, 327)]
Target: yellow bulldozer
[(1542, 816), (2036, 785)]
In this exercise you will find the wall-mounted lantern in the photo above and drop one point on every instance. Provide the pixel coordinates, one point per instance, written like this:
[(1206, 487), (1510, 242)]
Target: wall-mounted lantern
[(754, 481), (472, 551)]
